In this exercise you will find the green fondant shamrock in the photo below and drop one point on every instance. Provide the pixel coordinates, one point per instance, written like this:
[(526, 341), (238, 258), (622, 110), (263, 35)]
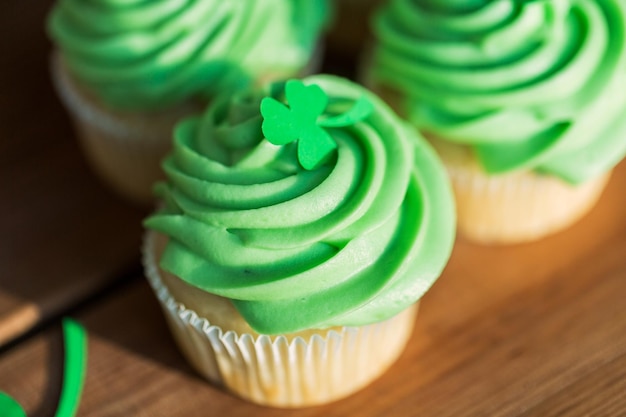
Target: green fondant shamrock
[(302, 121)]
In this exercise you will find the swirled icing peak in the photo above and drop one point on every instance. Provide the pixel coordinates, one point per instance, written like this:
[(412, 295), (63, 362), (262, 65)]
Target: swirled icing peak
[(150, 54), (527, 84), (354, 240)]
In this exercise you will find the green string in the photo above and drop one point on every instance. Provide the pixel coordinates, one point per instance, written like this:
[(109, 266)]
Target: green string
[(75, 339), (74, 370), (9, 407)]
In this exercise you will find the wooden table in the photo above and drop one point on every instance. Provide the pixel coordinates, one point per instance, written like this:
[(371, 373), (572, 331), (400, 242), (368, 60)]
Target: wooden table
[(526, 330)]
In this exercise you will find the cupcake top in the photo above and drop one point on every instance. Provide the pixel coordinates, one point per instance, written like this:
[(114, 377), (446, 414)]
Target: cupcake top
[(526, 84), (308, 204), (140, 54)]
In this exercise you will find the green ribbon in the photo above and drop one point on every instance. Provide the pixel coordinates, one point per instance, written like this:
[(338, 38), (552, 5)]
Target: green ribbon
[(9, 407), (75, 339)]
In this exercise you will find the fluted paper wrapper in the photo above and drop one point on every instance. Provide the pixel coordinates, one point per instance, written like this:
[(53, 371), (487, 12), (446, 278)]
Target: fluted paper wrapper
[(125, 149), (282, 371), (518, 207)]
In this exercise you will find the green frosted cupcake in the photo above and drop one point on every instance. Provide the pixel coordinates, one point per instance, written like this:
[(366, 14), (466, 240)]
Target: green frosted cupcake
[(301, 225), (523, 99), (128, 70)]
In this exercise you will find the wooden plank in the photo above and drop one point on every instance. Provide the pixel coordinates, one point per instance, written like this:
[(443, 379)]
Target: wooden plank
[(505, 332), (64, 236), (599, 394), (527, 347), (527, 330)]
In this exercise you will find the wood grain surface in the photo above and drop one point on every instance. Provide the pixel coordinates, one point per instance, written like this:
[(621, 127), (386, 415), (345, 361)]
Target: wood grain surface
[(533, 330), (527, 330), (64, 236)]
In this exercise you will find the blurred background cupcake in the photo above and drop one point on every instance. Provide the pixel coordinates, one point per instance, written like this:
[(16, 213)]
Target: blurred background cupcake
[(523, 100), (301, 225), (128, 70)]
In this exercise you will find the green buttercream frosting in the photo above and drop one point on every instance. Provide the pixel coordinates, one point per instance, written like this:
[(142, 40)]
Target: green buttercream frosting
[(353, 241), (526, 84), (144, 54)]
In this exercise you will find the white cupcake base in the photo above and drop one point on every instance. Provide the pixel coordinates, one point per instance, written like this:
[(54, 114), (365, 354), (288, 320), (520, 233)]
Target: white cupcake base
[(285, 370), (124, 148)]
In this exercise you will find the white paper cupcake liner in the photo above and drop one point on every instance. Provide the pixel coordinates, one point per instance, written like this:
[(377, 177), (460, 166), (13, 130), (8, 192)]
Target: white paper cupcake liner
[(281, 371), (124, 148), (518, 207)]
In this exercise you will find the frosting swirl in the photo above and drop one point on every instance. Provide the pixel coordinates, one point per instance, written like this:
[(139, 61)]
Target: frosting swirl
[(150, 54), (351, 242), (527, 84)]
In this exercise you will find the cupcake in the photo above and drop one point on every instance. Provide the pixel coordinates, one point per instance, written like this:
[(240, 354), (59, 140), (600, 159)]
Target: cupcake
[(301, 224), (523, 100), (128, 71)]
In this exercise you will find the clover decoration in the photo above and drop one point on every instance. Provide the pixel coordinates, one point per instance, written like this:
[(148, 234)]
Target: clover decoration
[(302, 120)]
